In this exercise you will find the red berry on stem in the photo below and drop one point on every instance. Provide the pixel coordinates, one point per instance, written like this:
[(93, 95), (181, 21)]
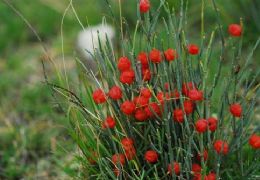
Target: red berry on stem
[(144, 6), (151, 156), (211, 176), (193, 49), (235, 30), (201, 125), (109, 123), (145, 92), (212, 124), (187, 87), (127, 77), (174, 167), (178, 115), (130, 153), (141, 101), (152, 109), (155, 56), (142, 57), (141, 115), (254, 141), (205, 156), (127, 143), (170, 54), (188, 106), (99, 96), (221, 147), (236, 110), (146, 74), (195, 95), (124, 64), (118, 158), (128, 107), (115, 93), (196, 168)]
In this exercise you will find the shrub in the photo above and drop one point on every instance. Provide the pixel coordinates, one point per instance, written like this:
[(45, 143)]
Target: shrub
[(175, 114)]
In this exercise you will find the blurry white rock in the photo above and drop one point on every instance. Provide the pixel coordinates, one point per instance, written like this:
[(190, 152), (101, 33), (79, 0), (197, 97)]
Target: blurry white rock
[(88, 42)]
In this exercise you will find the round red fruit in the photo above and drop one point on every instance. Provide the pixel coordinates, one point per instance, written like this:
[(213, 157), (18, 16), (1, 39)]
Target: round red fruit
[(128, 107), (115, 93), (254, 141), (144, 6), (109, 123), (174, 167), (99, 96), (124, 64), (127, 77), (118, 158), (212, 124), (201, 125), (155, 56), (236, 110), (221, 147), (170, 54), (193, 49), (178, 115), (235, 30), (151, 156)]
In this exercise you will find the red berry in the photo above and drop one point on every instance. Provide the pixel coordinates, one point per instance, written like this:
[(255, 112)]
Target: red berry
[(127, 143), (124, 64), (193, 49), (205, 155), (166, 86), (99, 96), (130, 153), (160, 97), (175, 167), (195, 95), (118, 158), (176, 94), (145, 92), (155, 56), (170, 54), (128, 107), (151, 156), (212, 124), (127, 77), (178, 115), (188, 106), (152, 109), (116, 171), (254, 141), (196, 168), (236, 110), (201, 125), (109, 122), (187, 87), (221, 147), (211, 176), (141, 115), (142, 57), (235, 30), (141, 101), (144, 6), (146, 74), (115, 93)]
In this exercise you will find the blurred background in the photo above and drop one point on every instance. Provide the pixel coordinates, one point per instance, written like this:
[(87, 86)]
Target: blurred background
[(34, 140)]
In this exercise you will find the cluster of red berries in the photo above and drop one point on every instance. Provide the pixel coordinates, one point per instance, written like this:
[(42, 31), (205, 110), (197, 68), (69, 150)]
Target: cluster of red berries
[(149, 103)]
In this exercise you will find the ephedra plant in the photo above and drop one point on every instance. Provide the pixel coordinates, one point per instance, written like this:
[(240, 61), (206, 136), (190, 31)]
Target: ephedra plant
[(159, 109)]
